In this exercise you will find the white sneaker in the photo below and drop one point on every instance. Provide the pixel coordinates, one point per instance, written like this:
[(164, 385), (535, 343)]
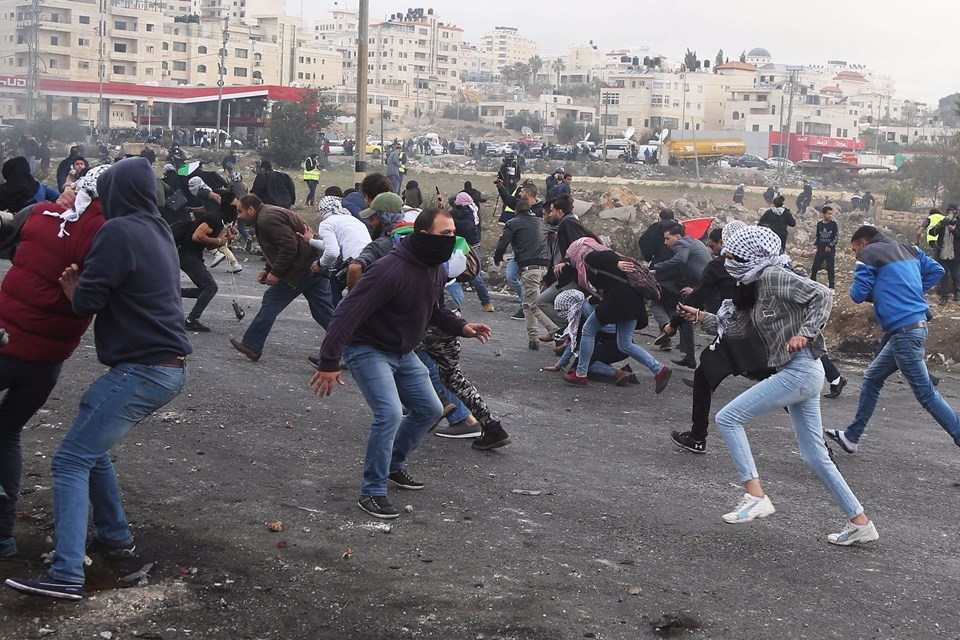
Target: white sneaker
[(854, 534), (217, 260), (236, 267), (749, 509)]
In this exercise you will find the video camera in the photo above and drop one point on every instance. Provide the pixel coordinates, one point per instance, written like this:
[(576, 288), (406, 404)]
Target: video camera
[(509, 172)]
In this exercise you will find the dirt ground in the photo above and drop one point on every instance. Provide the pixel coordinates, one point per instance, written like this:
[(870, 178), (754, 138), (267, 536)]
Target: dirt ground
[(590, 525)]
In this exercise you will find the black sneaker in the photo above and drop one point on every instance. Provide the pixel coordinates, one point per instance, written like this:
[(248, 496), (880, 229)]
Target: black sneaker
[(518, 315), (315, 361), (686, 441), (493, 437), (378, 507), (662, 340), (44, 585), (689, 363), (195, 325), (836, 389), (460, 430), (533, 345), (402, 480), (688, 382), (110, 550)]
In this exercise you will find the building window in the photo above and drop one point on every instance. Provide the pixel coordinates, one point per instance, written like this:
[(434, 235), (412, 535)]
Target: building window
[(240, 72), (150, 27), (53, 63), (166, 46), (118, 69), (180, 46), (54, 40), (150, 48), (84, 19), (120, 47), (756, 127), (179, 65), (83, 64), (201, 68), (240, 53), (736, 115), (201, 49), (83, 42), (120, 25)]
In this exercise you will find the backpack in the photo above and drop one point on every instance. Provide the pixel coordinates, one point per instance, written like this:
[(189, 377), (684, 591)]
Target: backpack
[(639, 280), (11, 234)]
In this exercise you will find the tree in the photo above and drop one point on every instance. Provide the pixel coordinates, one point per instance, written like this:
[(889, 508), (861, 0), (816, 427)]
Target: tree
[(743, 57), (294, 127), (522, 119), (718, 60), (558, 66), (690, 61), (523, 74), (536, 64), (508, 74), (568, 130)]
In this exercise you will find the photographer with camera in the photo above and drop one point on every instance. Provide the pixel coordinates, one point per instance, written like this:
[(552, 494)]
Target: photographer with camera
[(948, 254)]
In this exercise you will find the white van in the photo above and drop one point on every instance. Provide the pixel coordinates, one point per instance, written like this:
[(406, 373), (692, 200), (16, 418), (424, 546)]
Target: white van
[(616, 149)]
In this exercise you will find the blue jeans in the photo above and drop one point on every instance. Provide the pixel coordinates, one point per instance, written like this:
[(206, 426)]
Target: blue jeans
[(455, 291), (461, 412), (388, 382), (315, 287), (795, 386), (479, 284), (903, 351), (395, 183), (83, 474), (513, 278), (588, 339)]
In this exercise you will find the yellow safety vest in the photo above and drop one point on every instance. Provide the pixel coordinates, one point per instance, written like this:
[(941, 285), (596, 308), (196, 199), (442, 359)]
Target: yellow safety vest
[(311, 174), (515, 194), (934, 221), (403, 163)]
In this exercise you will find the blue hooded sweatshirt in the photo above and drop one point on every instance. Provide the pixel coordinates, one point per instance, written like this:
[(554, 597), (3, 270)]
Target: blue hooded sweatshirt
[(131, 277)]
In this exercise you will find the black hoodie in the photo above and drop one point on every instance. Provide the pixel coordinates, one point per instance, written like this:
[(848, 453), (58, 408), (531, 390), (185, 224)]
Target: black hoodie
[(131, 278), (20, 187)]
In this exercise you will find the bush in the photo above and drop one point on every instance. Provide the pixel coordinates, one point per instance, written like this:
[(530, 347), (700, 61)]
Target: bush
[(470, 114), (521, 120), (901, 197)]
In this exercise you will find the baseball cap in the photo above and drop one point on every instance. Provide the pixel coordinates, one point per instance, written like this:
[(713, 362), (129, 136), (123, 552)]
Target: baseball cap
[(387, 202), (951, 207)]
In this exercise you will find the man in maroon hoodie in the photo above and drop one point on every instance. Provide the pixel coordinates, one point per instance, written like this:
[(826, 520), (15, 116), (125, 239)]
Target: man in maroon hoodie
[(375, 329), (44, 331)]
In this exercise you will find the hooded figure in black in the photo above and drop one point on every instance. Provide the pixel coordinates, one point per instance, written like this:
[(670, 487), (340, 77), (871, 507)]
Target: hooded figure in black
[(21, 188)]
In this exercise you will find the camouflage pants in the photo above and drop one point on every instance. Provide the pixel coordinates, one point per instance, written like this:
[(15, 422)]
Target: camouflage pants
[(445, 351)]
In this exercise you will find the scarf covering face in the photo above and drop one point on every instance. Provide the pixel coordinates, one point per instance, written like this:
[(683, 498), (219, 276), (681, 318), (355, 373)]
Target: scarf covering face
[(86, 190), (758, 248), (331, 206), (577, 253), (569, 303), (19, 186), (431, 249), (464, 200)]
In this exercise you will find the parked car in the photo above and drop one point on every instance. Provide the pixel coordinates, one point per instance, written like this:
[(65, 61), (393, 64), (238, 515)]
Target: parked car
[(336, 148), (435, 149), (374, 149), (775, 162), (747, 161)]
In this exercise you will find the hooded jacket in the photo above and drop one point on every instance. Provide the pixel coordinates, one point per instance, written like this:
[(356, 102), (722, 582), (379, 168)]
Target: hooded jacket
[(21, 189), (33, 308), (288, 254), (274, 187), (390, 308), (131, 279)]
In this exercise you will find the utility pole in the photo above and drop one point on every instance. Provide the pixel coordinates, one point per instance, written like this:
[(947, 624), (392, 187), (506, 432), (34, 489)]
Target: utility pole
[(220, 71), (876, 148), (794, 75), (360, 167), (696, 154), (100, 64), (33, 60), (606, 121), (416, 106)]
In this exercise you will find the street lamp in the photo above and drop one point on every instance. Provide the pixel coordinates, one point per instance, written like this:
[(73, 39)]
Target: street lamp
[(149, 118)]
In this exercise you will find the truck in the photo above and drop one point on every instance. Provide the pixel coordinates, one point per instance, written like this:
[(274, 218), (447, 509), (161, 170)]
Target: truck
[(708, 150)]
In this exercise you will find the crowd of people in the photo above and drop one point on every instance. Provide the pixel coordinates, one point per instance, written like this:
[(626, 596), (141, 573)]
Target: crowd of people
[(384, 276)]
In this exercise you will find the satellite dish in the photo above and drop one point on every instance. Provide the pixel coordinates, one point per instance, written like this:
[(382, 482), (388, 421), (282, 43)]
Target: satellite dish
[(586, 137), (629, 133), (662, 136), (527, 131)]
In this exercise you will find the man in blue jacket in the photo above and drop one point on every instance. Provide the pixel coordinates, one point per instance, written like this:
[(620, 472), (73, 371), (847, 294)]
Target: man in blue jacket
[(131, 282), (899, 275), (376, 329)]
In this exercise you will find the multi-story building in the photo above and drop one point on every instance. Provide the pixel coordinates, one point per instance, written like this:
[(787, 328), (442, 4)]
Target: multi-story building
[(509, 47), (150, 44), (550, 109)]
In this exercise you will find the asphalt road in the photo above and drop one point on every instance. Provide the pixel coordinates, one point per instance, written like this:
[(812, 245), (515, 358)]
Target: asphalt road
[(624, 532)]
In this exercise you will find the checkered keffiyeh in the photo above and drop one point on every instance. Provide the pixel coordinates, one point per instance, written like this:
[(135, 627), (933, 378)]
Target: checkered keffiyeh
[(86, 190), (758, 248), (569, 303)]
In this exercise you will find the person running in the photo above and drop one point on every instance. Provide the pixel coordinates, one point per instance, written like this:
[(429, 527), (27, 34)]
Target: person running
[(789, 315), (376, 328), (894, 276)]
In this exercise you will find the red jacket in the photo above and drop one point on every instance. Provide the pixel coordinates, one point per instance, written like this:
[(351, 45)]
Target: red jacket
[(33, 308)]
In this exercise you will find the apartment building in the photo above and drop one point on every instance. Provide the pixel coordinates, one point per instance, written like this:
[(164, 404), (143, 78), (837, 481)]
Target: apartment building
[(149, 43), (508, 46), (550, 109)]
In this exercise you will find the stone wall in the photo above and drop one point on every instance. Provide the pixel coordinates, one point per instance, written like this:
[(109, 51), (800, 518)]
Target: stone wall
[(909, 219)]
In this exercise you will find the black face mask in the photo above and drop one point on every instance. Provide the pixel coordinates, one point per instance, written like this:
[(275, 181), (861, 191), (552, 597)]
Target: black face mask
[(432, 250)]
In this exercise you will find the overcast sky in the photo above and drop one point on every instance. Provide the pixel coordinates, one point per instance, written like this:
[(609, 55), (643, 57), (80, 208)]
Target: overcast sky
[(911, 41)]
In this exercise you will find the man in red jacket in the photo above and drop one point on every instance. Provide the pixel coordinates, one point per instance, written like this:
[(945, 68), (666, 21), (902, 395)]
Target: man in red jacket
[(43, 329)]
